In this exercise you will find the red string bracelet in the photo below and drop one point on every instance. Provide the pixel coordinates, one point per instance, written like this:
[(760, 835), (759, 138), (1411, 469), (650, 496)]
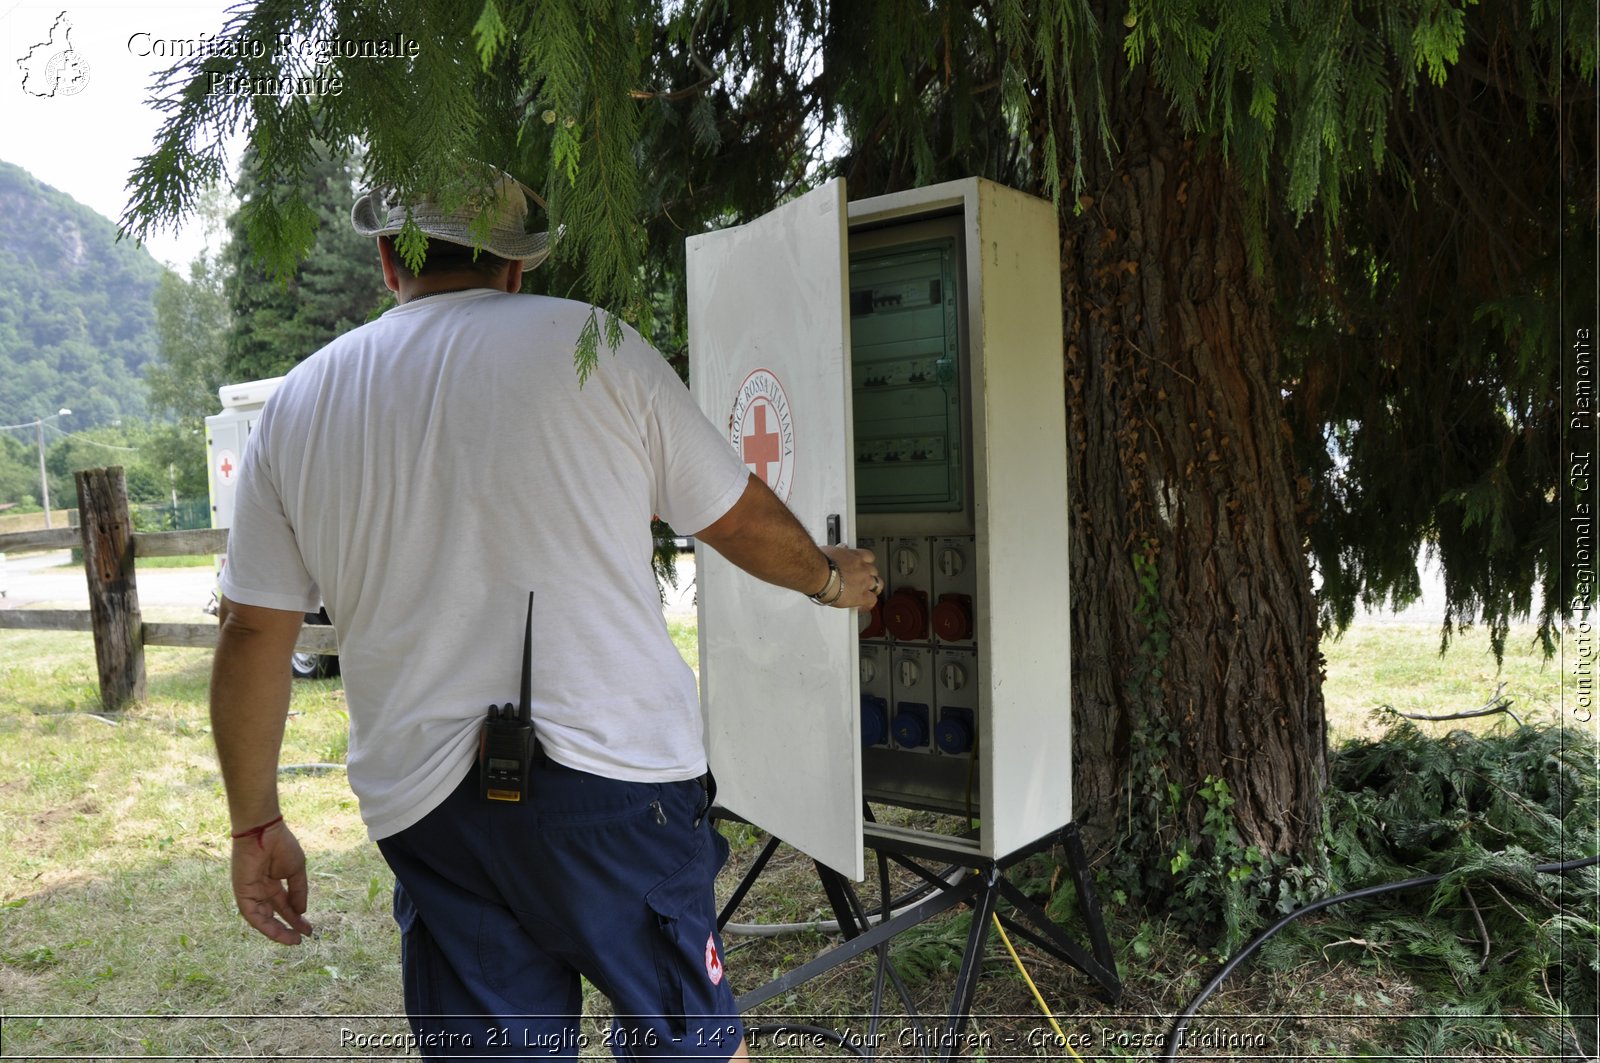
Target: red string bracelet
[(257, 832)]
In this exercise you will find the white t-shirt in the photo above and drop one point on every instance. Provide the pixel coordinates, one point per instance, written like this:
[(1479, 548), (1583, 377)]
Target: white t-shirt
[(420, 475)]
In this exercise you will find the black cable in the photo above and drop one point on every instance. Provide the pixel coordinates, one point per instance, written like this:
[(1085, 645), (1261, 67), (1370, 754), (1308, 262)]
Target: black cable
[(822, 1032), (1181, 1023)]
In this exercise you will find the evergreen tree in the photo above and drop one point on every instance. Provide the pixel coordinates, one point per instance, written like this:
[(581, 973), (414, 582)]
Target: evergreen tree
[(283, 314), (1291, 293)]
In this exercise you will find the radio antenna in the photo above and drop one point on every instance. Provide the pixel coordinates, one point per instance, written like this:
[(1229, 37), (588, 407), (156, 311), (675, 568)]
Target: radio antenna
[(525, 706)]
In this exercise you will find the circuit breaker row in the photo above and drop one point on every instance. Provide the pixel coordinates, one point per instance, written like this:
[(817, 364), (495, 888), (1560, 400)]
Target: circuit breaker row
[(919, 651)]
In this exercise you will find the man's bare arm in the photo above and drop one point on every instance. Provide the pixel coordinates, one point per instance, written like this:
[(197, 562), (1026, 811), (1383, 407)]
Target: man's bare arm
[(249, 705), (761, 536)]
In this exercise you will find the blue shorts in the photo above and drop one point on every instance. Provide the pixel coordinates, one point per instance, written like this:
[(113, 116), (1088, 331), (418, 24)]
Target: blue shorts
[(502, 906)]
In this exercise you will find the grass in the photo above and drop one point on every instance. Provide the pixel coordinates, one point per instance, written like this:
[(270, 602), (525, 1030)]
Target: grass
[(114, 899), (187, 561), (113, 894), (685, 636), (1400, 666)]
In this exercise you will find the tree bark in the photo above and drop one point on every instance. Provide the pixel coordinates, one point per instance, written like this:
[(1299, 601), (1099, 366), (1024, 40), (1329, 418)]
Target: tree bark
[(1195, 635)]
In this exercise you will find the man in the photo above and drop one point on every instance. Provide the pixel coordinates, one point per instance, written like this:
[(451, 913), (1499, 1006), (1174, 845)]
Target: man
[(420, 476)]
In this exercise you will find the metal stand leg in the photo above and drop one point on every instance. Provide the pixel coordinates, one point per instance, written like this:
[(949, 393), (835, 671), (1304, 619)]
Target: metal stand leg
[(855, 923), (749, 880), (838, 890), (971, 967), (982, 892), (1089, 908)]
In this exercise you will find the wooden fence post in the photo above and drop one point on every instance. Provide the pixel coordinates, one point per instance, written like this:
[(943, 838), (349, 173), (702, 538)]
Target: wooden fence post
[(107, 530)]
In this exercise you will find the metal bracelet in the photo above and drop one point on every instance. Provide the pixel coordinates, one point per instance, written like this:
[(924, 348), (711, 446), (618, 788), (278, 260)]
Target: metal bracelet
[(835, 584)]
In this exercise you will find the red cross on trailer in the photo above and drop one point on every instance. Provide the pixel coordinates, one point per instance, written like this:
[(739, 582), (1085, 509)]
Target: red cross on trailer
[(227, 464), (227, 435)]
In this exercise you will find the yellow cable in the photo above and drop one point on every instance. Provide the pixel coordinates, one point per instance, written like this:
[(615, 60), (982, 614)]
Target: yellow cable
[(1037, 996)]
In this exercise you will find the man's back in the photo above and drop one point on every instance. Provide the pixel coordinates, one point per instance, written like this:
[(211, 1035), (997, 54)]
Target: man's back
[(422, 475), (436, 465)]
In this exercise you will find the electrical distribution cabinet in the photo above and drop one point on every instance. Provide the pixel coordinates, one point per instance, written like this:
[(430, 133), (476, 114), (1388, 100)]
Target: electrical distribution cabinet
[(892, 368)]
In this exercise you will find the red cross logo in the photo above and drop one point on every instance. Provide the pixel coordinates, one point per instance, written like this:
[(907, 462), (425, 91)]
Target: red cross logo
[(227, 465), (761, 428), (761, 446), (713, 961), (227, 468)]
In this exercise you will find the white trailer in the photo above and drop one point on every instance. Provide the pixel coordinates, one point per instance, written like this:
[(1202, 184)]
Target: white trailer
[(227, 434)]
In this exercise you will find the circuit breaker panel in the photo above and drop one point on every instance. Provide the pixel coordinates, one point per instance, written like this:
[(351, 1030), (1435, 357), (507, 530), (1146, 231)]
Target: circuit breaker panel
[(892, 369)]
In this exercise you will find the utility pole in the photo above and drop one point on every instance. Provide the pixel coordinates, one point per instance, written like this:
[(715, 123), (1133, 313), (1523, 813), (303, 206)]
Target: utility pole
[(44, 480)]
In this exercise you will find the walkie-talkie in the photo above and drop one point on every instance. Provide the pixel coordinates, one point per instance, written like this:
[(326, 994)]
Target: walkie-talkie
[(505, 742)]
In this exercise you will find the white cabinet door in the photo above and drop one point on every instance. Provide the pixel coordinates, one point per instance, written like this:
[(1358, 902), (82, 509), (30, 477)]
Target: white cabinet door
[(769, 359)]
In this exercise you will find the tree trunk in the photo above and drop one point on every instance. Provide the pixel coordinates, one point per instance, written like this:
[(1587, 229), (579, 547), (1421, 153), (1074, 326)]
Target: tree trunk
[(1194, 629)]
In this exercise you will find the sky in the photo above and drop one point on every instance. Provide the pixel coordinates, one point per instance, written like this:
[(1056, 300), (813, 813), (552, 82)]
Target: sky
[(85, 143)]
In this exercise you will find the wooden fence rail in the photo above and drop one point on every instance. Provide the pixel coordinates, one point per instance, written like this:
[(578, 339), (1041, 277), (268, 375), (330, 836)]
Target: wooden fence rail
[(47, 539), (110, 545)]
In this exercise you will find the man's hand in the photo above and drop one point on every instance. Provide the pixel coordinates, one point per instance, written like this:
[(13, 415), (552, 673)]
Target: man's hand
[(859, 571), (761, 536), (269, 883), (249, 705)]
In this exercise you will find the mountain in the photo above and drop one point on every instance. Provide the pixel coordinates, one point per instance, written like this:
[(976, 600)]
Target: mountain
[(77, 317)]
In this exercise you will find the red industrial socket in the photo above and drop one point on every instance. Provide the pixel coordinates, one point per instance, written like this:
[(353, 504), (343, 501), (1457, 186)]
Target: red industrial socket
[(952, 617), (906, 614)]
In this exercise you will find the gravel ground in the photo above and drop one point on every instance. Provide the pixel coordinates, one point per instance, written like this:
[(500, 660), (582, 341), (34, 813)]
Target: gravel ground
[(51, 581)]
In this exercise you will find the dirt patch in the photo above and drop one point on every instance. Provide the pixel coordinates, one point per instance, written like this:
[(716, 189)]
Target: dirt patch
[(45, 827), (56, 880), (17, 984), (52, 818)]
